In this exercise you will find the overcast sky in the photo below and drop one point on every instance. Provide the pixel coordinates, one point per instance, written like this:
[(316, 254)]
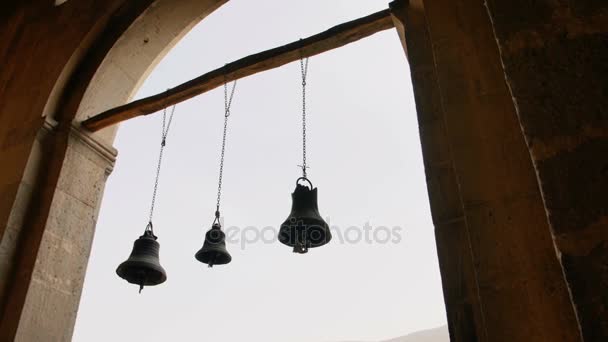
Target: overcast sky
[(364, 157)]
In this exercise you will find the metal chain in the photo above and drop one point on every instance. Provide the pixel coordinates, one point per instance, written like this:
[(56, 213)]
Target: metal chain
[(304, 70), (227, 104), (163, 142)]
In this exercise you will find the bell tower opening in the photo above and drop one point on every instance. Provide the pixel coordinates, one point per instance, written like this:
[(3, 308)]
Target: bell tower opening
[(377, 279)]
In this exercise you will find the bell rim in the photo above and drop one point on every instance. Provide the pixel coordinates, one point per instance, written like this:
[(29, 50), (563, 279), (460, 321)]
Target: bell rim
[(287, 243), (199, 256), (285, 238), (122, 270)]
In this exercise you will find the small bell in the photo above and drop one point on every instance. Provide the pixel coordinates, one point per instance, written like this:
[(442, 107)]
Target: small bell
[(214, 250), (143, 267), (304, 228)]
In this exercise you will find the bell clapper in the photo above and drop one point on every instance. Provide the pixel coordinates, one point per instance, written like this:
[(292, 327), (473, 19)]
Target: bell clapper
[(300, 246), (142, 279)]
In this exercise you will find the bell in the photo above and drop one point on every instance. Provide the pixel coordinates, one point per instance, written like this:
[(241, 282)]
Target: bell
[(214, 249), (304, 228), (143, 267)]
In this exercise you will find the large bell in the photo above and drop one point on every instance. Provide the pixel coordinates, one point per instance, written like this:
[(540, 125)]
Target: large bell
[(214, 250), (304, 228), (143, 267)]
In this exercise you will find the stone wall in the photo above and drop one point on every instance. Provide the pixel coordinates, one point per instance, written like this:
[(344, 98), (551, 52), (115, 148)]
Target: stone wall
[(555, 56), (502, 278), (53, 293)]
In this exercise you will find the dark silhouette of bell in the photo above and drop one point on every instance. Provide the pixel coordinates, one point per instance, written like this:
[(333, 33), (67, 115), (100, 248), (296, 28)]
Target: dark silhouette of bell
[(214, 249), (304, 228), (143, 267)]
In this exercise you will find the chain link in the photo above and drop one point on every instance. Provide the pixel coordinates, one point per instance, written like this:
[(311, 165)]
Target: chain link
[(227, 104), (163, 142), (304, 70)]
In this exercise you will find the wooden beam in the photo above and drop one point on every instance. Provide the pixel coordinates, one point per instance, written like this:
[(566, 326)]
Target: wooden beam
[(335, 37)]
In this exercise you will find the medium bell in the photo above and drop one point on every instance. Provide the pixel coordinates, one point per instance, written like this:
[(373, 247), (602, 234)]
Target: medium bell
[(143, 267), (214, 249), (304, 228)]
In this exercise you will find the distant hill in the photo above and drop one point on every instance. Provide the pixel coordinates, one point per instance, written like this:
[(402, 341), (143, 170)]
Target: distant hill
[(439, 334)]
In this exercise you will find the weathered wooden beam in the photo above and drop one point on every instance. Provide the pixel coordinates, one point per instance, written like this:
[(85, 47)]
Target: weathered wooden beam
[(335, 37)]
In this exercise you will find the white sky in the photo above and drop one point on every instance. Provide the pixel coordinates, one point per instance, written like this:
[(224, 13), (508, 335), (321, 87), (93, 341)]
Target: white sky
[(365, 158)]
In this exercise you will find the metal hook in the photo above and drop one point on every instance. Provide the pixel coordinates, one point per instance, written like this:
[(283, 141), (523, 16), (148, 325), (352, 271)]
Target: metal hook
[(306, 179)]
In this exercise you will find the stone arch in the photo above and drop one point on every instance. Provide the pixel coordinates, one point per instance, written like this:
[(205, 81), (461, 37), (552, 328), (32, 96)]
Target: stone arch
[(137, 52)]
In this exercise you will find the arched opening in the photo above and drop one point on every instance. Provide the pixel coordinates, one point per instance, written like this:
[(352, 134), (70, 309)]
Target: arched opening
[(366, 161)]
